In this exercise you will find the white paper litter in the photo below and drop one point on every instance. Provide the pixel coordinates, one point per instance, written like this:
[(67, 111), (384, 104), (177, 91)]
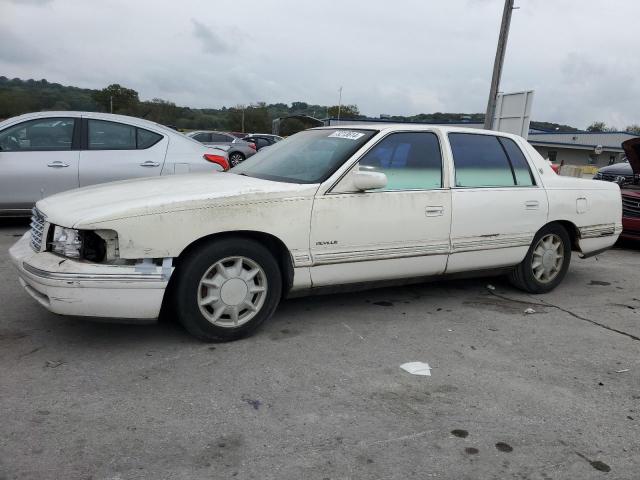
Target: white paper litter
[(491, 287), (529, 311), (417, 368), (622, 371)]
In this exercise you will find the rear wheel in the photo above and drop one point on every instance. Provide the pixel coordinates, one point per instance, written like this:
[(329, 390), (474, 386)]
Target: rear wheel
[(546, 263), (227, 288), (236, 158)]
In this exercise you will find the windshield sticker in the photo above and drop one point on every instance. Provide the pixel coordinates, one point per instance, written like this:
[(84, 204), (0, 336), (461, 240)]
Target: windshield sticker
[(350, 135)]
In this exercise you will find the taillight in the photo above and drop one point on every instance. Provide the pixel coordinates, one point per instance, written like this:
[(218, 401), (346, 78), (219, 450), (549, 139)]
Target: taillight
[(219, 159), (252, 145)]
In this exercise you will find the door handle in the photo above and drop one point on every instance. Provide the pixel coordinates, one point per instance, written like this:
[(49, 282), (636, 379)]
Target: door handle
[(57, 164), (149, 163), (532, 205), (434, 211)]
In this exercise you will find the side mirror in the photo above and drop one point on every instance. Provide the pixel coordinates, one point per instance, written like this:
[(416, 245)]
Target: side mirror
[(364, 181)]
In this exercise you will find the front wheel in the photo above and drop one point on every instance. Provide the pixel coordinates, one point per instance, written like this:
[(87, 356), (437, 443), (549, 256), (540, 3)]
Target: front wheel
[(227, 288), (546, 263)]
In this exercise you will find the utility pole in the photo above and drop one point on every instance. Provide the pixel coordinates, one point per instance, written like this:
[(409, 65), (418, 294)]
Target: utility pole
[(499, 61), (242, 118), (339, 102), (111, 103)]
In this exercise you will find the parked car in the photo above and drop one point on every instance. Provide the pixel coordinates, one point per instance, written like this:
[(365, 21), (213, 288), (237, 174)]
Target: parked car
[(262, 140), (630, 190), (49, 152), (323, 208), (612, 172), (238, 149)]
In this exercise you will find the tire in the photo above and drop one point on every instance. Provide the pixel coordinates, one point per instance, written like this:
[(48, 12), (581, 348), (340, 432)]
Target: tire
[(240, 278), (546, 263), (236, 158)]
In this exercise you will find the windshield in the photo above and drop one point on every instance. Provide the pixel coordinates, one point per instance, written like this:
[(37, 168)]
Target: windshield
[(306, 157)]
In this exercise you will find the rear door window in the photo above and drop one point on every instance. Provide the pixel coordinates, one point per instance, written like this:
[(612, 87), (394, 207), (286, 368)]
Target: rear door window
[(105, 135), (488, 161)]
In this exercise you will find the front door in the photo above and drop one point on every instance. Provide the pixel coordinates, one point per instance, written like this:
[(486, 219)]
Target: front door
[(37, 158), (118, 151), (498, 207), (400, 231)]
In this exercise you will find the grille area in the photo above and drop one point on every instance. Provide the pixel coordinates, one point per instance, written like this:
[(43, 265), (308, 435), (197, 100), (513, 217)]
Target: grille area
[(607, 177), (37, 229), (630, 206)]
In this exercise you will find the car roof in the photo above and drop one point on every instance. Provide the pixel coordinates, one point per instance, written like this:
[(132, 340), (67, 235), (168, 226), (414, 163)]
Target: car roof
[(404, 127), (139, 122)]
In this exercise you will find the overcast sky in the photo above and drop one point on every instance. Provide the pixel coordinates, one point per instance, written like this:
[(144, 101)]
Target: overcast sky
[(391, 56)]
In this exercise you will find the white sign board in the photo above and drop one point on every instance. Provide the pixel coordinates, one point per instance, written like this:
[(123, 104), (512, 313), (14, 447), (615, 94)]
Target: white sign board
[(513, 113)]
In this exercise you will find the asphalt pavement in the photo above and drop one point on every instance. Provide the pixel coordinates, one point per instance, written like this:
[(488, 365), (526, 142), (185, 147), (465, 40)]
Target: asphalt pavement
[(318, 392)]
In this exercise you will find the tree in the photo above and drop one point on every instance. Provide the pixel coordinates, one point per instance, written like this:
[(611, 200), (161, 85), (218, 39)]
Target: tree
[(289, 126), (256, 118), (346, 111), (125, 100), (635, 129), (597, 127)]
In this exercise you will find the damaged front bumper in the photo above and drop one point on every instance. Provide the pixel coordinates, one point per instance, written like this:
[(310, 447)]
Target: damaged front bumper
[(71, 287)]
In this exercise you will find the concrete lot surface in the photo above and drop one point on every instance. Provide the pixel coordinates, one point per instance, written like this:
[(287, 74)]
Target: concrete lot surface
[(318, 392)]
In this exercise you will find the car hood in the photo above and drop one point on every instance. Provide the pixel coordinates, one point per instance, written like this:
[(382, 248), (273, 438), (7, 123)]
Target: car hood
[(617, 169), (632, 150), (147, 196)]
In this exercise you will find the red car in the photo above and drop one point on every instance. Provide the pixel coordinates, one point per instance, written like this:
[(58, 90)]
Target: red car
[(631, 193)]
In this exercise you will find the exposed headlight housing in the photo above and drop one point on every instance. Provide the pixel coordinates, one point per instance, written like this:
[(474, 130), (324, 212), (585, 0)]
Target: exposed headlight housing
[(66, 242), (84, 244)]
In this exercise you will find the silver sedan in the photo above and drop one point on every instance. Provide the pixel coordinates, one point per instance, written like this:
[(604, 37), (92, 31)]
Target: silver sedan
[(238, 149), (49, 152)]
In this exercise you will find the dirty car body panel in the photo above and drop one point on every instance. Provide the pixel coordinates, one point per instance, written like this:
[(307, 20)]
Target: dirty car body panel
[(450, 200)]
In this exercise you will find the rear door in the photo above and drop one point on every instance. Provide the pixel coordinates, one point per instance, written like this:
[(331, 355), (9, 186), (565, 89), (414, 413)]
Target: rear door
[(498, 204), (118, 151), (37, 158)]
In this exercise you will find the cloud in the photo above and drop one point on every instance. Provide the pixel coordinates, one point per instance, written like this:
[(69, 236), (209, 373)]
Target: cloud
[(418, 57), (210, 41), (38, 3), (16, 51)]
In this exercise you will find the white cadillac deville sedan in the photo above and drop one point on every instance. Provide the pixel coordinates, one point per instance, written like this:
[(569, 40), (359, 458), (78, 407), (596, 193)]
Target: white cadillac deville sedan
[(323, 208)]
